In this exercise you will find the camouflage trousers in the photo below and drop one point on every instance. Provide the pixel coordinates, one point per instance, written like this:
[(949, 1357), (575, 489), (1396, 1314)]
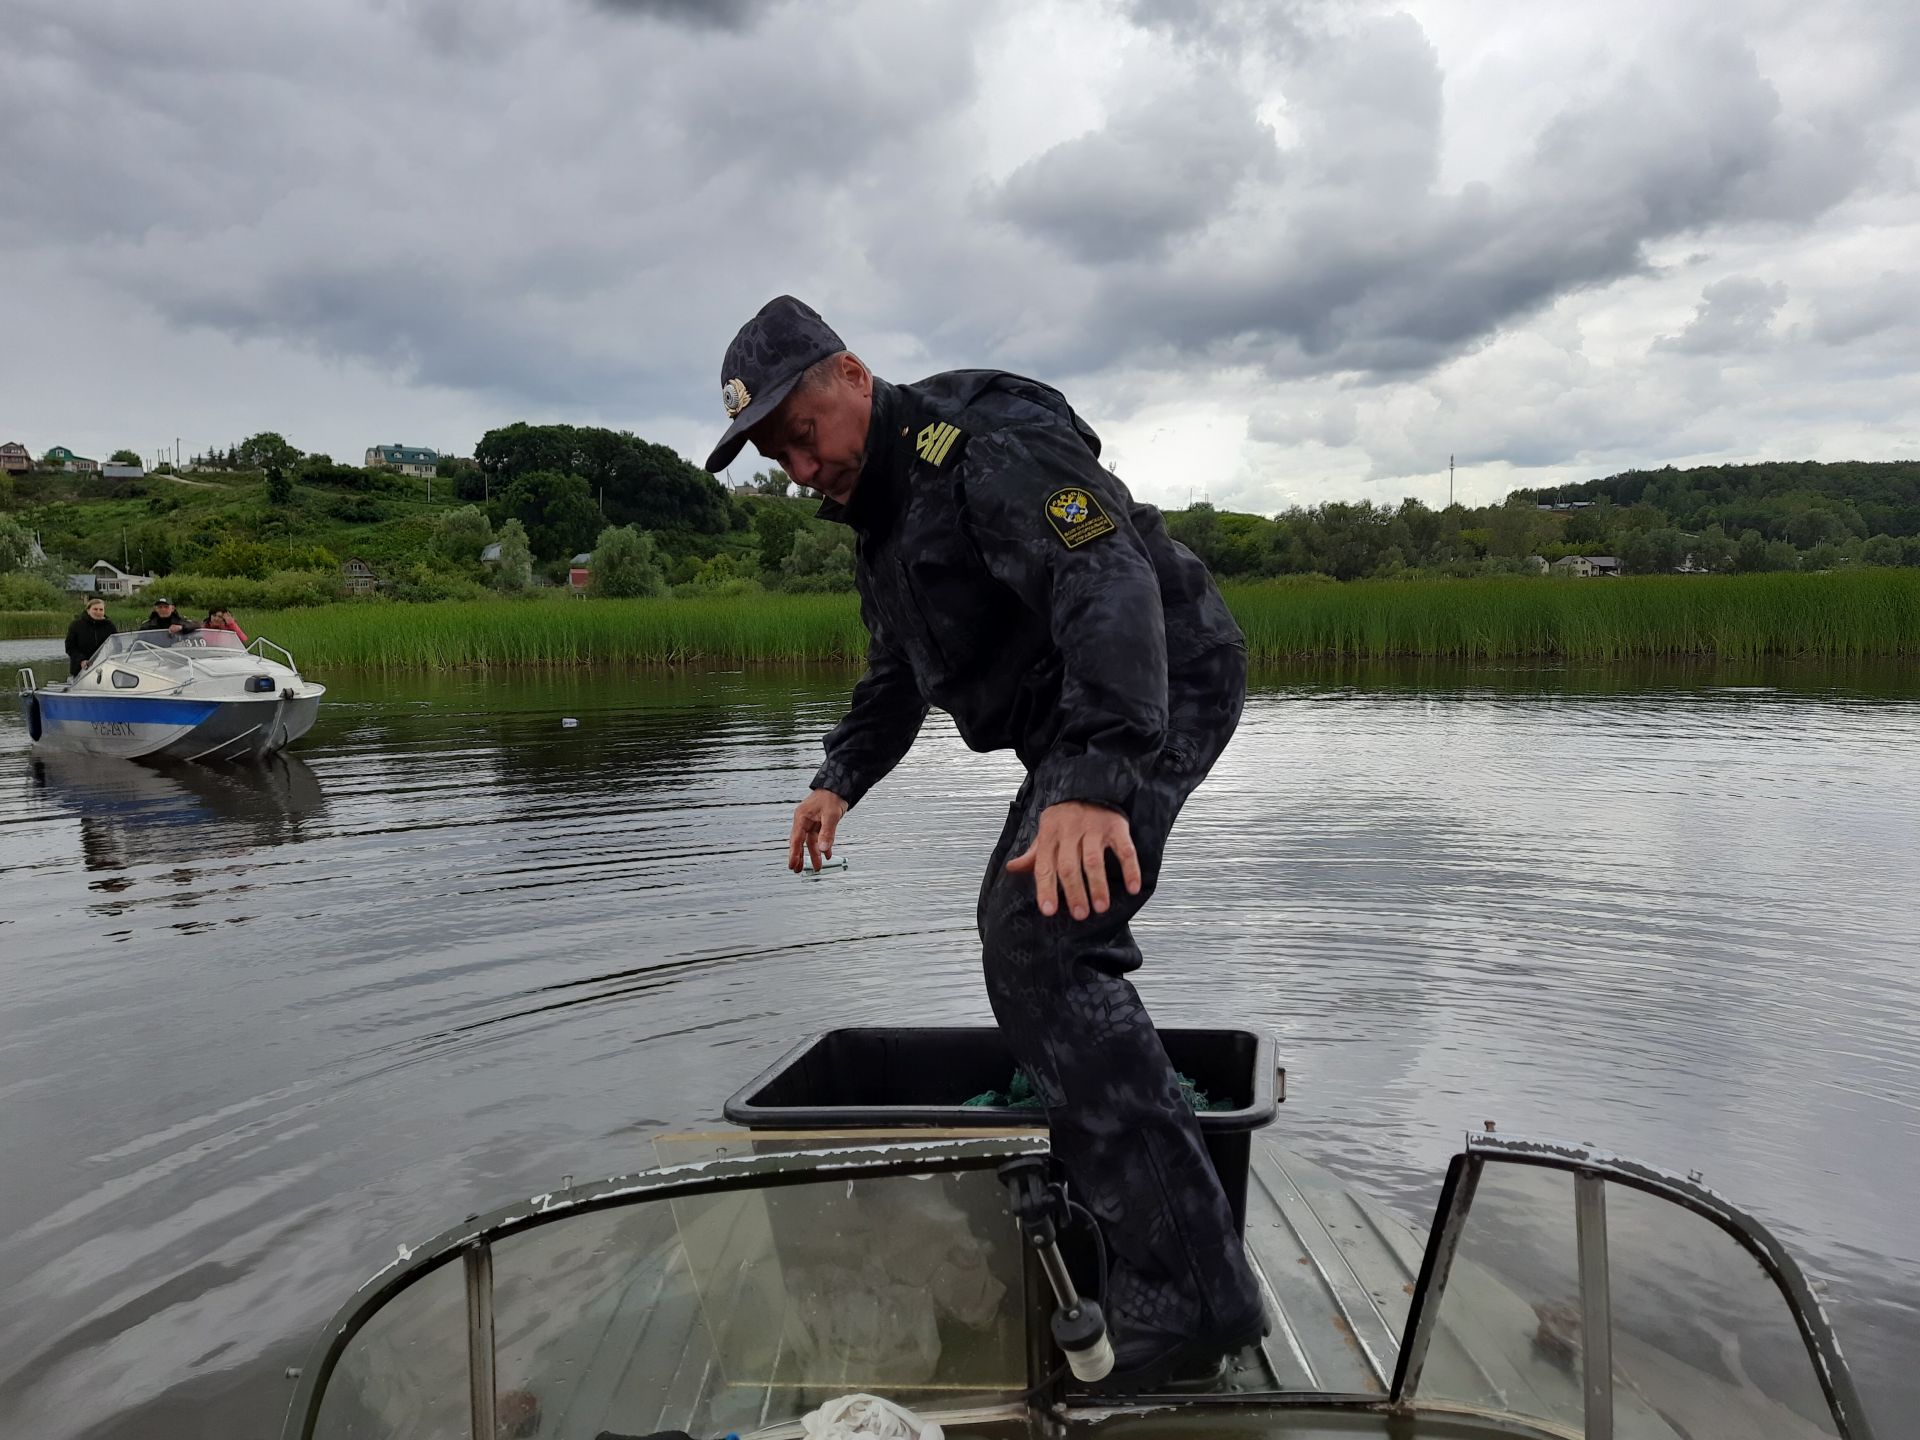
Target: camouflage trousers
[(1126, 1137)]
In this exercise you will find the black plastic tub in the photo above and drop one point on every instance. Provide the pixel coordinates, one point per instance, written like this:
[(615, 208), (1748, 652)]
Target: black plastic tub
[(885, 1077)]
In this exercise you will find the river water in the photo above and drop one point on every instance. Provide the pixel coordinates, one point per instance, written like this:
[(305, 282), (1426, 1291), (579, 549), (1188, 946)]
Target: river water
[(257, 1030)]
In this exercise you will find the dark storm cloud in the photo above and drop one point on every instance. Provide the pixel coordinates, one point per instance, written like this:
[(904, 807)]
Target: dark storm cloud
[(1735, 316), (1358, 262), (1158, 170), (698, 14), (1225, 24)]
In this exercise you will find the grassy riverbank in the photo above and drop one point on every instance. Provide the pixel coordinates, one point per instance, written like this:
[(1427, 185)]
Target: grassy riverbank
[(1846, 615), (747, 629)]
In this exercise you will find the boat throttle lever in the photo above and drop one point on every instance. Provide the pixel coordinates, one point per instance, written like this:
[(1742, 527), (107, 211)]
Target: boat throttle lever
[(1041, 1207)]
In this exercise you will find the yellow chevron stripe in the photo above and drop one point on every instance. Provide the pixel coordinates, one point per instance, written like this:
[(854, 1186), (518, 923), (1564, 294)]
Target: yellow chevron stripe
[(934, 441)]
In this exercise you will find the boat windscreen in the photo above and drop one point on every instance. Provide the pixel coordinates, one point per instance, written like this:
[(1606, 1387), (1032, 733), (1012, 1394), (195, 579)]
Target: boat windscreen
[(729, 1310), (1604, 1308), (130, 643)]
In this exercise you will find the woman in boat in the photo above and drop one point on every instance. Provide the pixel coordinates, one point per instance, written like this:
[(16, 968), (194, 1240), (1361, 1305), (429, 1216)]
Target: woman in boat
[(87, 633), (222, 619)]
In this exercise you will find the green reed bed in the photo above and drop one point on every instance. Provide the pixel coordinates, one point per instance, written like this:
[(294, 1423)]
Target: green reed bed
[(32, 624), (1854, 614), (1846, 615), (578, 632)]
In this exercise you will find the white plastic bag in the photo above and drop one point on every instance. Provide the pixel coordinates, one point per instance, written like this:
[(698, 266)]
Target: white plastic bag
[(869, 1418)]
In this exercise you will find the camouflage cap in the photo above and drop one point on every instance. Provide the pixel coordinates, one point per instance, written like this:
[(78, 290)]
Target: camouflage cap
[(764, 362)]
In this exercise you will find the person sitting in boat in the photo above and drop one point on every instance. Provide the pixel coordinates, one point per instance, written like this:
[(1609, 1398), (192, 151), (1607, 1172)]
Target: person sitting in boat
[(164, 617), (222, 619), (87, 633)]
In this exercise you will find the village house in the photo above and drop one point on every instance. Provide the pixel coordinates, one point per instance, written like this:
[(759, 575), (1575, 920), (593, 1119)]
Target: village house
[(111, 471), (1585, 567), (357, 577), (14, 458), (407, 459), (61, 458), (580, 572), (108, 579)]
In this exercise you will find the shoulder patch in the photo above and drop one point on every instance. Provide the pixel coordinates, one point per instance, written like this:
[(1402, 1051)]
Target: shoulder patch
[(1076, 517), (934, 441)]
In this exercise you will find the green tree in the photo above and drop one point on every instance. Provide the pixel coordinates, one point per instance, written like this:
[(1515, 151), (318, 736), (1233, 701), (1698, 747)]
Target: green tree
[(126, 457), (1881, 550), (557, 511), (16, 546), (774, 527), (513, 571), (257, 452), (467, 480), (1824, 556), (819, 561), (626, 563), (241, 559), (772, 482), (1516, 528), (1652, 552), (279, 486), (1714, 550), (460, 535), (641, 483)]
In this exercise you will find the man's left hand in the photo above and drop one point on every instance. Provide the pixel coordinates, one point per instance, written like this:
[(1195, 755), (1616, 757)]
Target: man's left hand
[(1069, 857)]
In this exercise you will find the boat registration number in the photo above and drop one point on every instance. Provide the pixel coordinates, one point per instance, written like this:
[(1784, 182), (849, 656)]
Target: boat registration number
[(113, 729)]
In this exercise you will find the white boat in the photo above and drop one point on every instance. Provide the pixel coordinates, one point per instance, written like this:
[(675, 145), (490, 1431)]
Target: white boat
[(753, 1276), (204, 695)]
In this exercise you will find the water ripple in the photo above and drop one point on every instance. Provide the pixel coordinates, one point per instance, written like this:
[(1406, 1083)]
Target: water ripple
[(254, 1030)]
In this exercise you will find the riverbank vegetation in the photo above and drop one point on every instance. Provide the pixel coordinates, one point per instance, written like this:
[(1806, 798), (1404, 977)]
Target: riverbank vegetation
[(1784, 559), (1845, 615)]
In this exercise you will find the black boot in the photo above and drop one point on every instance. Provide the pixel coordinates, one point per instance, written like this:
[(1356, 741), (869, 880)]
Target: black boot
[(1146, 1360)]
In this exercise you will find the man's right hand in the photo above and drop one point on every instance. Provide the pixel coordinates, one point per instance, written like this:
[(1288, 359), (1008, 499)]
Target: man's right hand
[(814, 821)]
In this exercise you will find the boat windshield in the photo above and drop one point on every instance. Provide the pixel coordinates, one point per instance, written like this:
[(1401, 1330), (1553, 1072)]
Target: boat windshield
[(129, 644), (728, 1296), (1604, 1299)]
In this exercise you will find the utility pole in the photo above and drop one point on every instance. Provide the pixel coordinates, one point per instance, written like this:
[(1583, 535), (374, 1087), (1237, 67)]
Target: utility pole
[(1449, 482)]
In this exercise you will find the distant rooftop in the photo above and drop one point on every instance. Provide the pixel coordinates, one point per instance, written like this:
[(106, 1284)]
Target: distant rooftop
[(404, 455)]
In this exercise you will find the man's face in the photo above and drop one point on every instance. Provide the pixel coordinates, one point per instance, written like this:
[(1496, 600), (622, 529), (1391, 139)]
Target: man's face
[(163, 610), (819, 435)]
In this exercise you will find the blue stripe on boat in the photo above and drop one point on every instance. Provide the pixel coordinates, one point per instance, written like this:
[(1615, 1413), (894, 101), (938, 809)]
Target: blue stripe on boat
[(157, 711)]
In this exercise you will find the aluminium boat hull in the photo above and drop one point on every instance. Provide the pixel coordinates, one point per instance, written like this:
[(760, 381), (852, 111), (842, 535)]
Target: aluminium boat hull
[(139, 727)]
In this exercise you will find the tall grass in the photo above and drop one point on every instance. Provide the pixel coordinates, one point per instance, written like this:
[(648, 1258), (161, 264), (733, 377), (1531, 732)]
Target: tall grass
[(1851, 614), (746, 629), (32, 624), (1847, 615)]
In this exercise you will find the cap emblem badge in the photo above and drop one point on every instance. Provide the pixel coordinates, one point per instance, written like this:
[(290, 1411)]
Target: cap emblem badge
[(734, 396)]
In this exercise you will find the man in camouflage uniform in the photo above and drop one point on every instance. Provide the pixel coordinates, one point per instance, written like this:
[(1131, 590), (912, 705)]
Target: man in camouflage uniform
[(1008, 578)]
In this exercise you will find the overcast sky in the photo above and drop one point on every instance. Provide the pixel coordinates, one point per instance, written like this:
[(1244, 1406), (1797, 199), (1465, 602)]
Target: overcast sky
[(1276, 253)]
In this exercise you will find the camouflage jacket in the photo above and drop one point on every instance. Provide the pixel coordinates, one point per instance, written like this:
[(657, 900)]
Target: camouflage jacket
[(1007, 577)]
